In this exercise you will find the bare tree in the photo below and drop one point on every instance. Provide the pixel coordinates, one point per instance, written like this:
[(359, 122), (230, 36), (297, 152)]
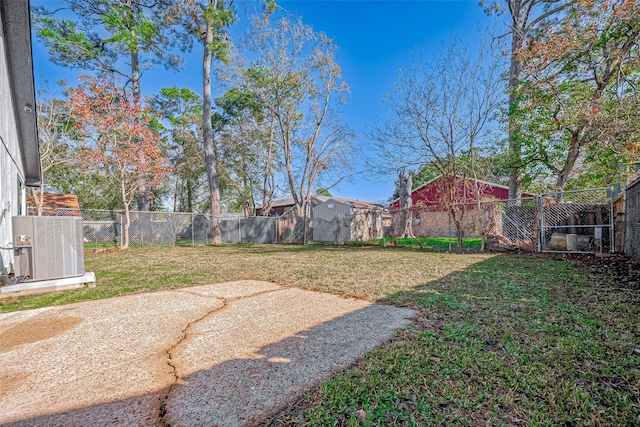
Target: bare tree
[(441, 110), (403, 187), (297, 80)]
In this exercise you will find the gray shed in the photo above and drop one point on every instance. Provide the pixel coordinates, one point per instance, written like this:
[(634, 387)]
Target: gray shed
[(341, 220)]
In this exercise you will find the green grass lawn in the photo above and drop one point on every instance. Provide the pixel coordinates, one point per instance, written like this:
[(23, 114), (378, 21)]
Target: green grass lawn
[(435, 244), (513, 340), (510, 340)]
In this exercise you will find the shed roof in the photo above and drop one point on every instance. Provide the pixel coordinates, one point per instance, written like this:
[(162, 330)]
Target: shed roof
[(16, 30), (56, 201), (357, 204), (290, 202)]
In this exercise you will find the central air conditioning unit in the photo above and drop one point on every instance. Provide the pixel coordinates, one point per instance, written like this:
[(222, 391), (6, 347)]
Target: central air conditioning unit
[(48, 247)]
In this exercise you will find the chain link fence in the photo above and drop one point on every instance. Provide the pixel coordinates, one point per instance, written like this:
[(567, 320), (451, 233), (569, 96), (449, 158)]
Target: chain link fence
[(106, 228), (576, 221), (468, 227), (631, 211)]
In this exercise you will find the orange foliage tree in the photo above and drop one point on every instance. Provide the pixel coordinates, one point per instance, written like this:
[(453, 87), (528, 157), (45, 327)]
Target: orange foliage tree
[(116, 139), (580, 91)]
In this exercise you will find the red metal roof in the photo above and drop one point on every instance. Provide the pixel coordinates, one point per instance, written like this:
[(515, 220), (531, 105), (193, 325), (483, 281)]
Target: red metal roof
[(431, 193)]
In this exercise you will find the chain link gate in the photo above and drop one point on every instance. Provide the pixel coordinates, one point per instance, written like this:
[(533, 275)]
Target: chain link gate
[(579, 221)]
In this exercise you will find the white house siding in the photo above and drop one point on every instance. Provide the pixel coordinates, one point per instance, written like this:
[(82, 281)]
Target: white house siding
[(10, 161)]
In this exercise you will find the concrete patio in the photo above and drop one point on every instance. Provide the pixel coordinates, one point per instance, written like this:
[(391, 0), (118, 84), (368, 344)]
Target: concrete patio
[(225, 354)]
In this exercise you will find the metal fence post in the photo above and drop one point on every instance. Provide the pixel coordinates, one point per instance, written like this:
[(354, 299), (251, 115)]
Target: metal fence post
[(449, 217), (538, 224), (612, 220), (193, 230), (304, 232)]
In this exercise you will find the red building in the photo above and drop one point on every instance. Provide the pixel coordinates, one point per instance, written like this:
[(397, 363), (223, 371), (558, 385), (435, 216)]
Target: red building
[(433, 193)]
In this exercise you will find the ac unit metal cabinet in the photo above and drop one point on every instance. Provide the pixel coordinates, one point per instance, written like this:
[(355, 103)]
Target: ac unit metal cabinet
[(48, 247)]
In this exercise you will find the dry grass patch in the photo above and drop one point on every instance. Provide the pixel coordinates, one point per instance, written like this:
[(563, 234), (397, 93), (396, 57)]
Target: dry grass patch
[(362, 272)]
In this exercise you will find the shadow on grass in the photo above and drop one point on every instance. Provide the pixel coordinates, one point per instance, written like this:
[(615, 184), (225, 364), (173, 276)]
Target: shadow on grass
[(352, 245), (241, 391), (507, 341), (311, 247), (365, 272)]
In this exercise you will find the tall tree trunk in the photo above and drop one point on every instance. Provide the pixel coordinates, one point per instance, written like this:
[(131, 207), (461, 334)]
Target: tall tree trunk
[(456, 209), (127, 217), (266, 190), (562, 175), (476, 187), (515, 69), (288, 163), (247, 190), (38, 197), (207, 133), (142, 193), (189, 196), (175, 193), (405, 184), (457, 222)]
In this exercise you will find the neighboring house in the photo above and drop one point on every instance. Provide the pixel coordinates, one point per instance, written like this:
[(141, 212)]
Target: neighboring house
[(19, 150), (431, 216), (431, 193), (285, 206), (339, 220), (55, 205)]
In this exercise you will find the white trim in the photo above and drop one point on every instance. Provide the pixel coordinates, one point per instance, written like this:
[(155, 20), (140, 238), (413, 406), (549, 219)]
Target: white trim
[(23, 198)]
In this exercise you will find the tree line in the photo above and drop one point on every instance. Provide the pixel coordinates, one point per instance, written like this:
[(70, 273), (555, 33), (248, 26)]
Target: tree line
[(275, 129), (550, 104)]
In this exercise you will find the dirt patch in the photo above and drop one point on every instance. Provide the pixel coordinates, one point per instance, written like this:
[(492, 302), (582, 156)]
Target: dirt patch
[(107, 250), (620, 270), (35, 330)]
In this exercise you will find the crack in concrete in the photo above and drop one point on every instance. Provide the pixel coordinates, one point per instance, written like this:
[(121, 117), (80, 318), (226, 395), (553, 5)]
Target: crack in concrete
[(184, 334)]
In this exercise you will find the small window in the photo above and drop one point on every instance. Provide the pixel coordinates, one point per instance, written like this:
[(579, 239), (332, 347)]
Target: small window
[(330, 206)]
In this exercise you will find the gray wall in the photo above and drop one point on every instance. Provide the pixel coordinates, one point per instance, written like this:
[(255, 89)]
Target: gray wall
[(323, 211), (632, 219), (10, 160), (336, 230), (325, 229)]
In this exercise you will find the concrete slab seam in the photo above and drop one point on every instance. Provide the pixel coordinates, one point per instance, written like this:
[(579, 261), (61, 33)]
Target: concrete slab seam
[(184, 334), (195, 294)]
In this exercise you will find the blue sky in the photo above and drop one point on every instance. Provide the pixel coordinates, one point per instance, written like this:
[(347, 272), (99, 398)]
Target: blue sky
[(375, 39)]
